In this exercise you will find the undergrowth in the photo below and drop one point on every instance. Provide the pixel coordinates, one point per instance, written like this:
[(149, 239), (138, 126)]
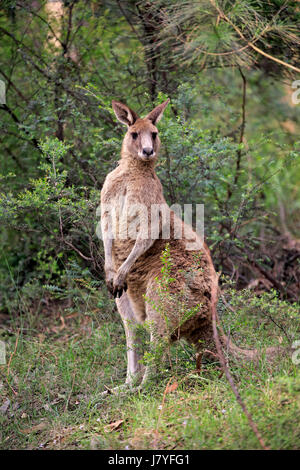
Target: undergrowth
[(60, 360)]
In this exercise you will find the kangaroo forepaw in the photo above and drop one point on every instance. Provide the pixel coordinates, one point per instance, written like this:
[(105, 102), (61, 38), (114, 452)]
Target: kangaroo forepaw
[(119, 286), (109, 280)]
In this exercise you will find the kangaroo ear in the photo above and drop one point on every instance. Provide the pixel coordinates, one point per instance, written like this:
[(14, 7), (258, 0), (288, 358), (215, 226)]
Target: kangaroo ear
[(156, 114), (124, 113)]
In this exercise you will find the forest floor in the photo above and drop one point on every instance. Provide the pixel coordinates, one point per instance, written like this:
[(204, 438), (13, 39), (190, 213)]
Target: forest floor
[(59, 360)]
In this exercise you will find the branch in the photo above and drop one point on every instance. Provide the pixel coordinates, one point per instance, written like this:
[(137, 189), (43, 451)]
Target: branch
[(214, 301), (13, 156), (130, 22), (20, 43), (69, 30), (32, 12), (278, 285), (17, 121), (14, 87), (243, 125), (255, 48)]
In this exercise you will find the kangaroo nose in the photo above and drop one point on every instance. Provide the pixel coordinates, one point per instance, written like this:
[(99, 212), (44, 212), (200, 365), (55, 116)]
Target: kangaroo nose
[(147, 151)]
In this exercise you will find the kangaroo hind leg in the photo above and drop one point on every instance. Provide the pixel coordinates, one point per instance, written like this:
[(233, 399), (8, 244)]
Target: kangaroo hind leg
[(133, 343)]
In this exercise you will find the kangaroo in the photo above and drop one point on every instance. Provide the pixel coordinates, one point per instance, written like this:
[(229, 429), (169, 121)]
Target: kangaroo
[(133, 262)]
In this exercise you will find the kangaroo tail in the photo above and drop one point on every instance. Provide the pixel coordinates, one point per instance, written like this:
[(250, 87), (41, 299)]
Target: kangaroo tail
[(252, 355), (241, 354)]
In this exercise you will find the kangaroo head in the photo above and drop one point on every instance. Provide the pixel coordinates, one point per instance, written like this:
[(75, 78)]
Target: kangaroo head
[(141, 140)]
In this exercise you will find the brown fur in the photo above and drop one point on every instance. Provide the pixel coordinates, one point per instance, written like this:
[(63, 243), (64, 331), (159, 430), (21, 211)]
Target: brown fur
[(135, 180)]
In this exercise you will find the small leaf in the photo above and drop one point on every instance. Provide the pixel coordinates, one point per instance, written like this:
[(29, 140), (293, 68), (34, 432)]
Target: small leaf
[(113, 426), (171, 388), (4, 407), (37, 428)]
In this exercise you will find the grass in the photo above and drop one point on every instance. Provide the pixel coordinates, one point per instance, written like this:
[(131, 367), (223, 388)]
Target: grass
[(59, 359)]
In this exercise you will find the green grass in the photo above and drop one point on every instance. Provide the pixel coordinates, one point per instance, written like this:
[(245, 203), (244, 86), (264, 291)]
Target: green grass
[(59, 362)]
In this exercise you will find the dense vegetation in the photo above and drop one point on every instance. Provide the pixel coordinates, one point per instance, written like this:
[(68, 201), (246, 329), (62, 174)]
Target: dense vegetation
[(230, 141)]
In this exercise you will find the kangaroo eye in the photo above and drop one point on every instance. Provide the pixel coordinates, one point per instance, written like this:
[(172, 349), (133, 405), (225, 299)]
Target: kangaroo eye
[(134, 135), (154, 135)]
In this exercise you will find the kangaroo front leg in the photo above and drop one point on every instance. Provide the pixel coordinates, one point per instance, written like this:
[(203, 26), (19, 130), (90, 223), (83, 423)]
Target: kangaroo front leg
[(119, 283), (107, 234)]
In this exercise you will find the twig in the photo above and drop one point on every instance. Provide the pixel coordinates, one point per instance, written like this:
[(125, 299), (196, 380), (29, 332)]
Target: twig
[(87, 258), (243, 125), (13, 353), (269, 316), (69, 396), (9, 362), (257, 49), (32, 12), (266, 274), (253, 426), (18, 122), (162, 403)]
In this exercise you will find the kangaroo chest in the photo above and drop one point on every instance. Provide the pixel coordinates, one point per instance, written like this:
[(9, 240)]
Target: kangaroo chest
[(129, 199)]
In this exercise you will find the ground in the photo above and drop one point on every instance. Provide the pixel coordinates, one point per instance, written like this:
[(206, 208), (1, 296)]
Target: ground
[(60, 359)]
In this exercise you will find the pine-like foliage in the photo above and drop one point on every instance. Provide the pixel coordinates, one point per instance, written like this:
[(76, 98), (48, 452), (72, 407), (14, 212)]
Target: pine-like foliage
[(226, 33)]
